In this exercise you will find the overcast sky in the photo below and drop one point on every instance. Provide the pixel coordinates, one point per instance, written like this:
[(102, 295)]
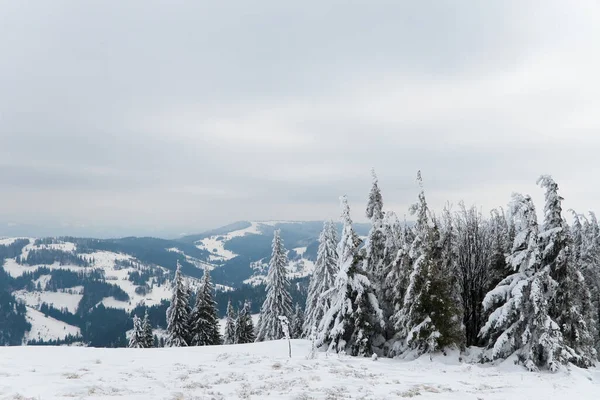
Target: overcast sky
[(168, 117)]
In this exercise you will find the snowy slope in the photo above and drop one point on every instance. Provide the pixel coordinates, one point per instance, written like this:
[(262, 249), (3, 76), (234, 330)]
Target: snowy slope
[(215, 245), (46, 328), (59, 300), (263, 371)]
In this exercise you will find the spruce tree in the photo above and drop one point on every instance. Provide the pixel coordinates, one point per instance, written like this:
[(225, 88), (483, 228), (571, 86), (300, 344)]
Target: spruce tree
[(244, 327), (571, 306), (297, 323), (178, 313), (375, 245), (230, 325), (148, 334), (350, 323), (278, 302), (204, 324), (590, 265), (317, 303), (429, 318), (520, 321), (136, 341)]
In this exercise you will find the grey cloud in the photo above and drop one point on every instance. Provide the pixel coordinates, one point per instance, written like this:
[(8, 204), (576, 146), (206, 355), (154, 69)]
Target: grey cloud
[(156, 116)]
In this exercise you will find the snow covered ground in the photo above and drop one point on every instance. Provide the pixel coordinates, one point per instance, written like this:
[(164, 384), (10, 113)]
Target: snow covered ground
[(57, 299), (47, 328), (215, 245), (263, 371)]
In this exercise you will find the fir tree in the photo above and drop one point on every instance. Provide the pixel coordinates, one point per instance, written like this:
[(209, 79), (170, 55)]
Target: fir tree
[(350, 323), (148, 334), (278, 302), (375, 245), (136, 341), (590, 265), (571, 306), (230, 325), (520, 321), (244, 327), (178, 313), (429, 318), (297, 323), (317, 303), (204, 324)]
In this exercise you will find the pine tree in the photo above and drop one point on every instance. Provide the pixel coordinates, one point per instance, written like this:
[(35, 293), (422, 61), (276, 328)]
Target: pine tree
[(590, 266), (147, 329), (323, 278), (429, 318), (350, 323), (297, 323), (136, 341), (571, 306), (178, 313), (278, 302), (244, 327), (204, 324), (520, 321), (375, 245), (230, 325)]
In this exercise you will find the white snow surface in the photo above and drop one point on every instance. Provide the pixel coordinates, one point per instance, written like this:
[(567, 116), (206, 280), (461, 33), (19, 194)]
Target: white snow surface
[(215, 245), (59, 300), (16, 270), (300, 250), (46, 328), (263, 371)]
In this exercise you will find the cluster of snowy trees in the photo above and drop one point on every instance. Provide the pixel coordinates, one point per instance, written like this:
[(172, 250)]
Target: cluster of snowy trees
[(239, 328), (142, 336), (192, 324), (506, 283)]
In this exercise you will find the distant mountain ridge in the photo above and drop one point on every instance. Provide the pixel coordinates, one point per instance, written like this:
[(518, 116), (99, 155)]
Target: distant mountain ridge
[(70, 288)]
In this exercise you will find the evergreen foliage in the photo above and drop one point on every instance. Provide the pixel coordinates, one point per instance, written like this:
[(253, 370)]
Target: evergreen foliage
[(203, 323), (278, 302), (178, 331), (318, 299)]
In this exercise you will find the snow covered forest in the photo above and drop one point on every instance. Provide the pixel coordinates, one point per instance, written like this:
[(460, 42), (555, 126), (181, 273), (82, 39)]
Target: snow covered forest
[(505, 285)]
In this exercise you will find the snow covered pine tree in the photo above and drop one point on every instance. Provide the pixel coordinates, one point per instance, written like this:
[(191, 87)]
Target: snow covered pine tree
[(297, 323), (520, 322), (204, 324), (323, 278), (278, 302), (136, 341), (178, 313), (244, 327), (147, 329), (429, 319), (230, 325), (350, 322), (571, 306)]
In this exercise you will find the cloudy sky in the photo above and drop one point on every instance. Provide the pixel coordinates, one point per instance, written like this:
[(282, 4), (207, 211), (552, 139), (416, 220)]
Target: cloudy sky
[(165, 117)]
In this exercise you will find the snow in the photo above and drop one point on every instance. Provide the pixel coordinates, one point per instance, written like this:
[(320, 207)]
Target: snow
[(223, 288), (16, 270), (42, 281), (300, 251), (263, 371), (46, 328), (216, 244), (57, 299), (9, 241)]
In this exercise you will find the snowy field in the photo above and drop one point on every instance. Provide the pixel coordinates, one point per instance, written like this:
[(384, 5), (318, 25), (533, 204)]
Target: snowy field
[(262, 371)]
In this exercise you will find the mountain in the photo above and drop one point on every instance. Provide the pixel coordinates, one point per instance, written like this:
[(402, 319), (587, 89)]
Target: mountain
[(65, 289)]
